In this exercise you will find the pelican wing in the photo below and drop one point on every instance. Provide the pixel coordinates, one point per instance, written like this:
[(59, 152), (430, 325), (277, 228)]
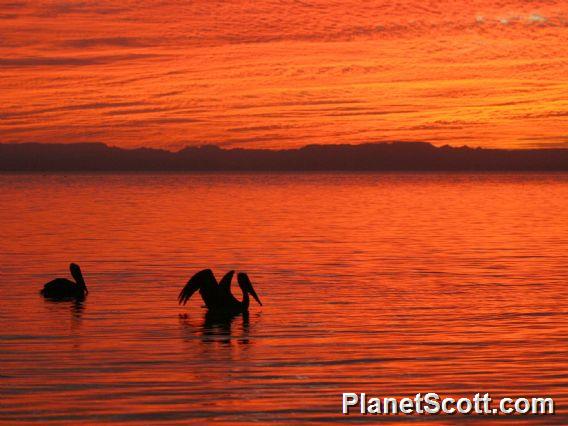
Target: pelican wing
[(225, 283), (203, 278)]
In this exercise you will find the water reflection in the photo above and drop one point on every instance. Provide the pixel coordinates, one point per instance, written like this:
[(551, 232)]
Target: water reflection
[(388, 284), (67, 316), (215, 327), (75, 307)]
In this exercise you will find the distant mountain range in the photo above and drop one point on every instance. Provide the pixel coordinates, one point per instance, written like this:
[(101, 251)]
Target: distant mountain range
[(401, 156)]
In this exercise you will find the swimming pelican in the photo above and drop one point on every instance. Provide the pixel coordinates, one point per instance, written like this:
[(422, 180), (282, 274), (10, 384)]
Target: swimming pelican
[(218, 297), (62, 288)]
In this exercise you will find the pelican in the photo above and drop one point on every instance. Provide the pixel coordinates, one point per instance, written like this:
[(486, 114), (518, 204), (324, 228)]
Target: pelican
[(218, 296), (62, 288)]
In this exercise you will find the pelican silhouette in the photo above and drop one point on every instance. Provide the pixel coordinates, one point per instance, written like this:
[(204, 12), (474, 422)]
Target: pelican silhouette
[(62, 288), (218, 296)]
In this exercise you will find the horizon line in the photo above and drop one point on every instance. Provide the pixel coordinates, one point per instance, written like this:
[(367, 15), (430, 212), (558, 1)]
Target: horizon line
[(221, 147)]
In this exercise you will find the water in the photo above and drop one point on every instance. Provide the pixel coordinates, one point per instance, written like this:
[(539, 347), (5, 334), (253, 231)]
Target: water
[(389, 284)]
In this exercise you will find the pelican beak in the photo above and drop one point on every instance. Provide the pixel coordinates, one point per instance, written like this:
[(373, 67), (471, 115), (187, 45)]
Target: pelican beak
[(253, 293), (246, 285)]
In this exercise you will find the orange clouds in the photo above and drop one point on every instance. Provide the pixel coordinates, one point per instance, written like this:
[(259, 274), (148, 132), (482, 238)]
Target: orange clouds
[(276, 74)]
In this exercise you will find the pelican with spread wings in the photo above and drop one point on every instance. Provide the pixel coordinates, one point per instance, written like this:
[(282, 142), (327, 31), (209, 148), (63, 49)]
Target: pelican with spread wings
[(218, 296)]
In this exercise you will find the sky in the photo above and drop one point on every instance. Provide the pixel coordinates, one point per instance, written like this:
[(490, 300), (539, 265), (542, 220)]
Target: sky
[(278, 74)]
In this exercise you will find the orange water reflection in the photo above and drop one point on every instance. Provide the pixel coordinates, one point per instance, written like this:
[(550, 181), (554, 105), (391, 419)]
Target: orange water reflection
[(389, 284)]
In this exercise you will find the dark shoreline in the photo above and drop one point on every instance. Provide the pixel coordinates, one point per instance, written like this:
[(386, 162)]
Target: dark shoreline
[(373, 157)]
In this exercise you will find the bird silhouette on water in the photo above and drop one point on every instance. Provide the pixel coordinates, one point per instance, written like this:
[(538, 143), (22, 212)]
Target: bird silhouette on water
[(218, 296), (62, 288)]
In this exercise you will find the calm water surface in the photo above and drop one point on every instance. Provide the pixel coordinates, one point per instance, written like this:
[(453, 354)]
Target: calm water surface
[(389, 284)]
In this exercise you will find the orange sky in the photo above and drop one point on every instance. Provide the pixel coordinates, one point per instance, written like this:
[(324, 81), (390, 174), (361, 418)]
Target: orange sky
[(284, 73)]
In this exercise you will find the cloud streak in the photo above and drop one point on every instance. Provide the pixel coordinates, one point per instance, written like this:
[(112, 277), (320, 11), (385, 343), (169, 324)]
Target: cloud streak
[(69, 61), (278, 74)]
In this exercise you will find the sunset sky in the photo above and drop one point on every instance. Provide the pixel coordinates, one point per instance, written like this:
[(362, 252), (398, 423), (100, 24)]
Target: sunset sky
[(284, 73)]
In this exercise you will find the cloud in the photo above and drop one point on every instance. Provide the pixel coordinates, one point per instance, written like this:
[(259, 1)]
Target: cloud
[(134, 111), (544, 114), (57, 61), (443, 125), (282, 72), (535, 17), (76, 107), (257, 128), (166, 94), (83, 43), (547, 141), (57, 8), (521, 19), (168, 120), (14, 5)]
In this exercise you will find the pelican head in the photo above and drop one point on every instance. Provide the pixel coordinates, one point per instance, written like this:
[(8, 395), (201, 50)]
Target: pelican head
[(77, 275), (246, 286)]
